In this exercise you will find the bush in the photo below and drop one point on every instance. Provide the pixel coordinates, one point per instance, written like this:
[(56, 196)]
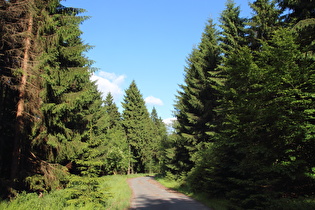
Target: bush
[(81, 192)]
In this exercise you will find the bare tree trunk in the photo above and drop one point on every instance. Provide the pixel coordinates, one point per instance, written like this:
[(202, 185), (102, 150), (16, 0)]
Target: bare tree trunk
[(19, 126)]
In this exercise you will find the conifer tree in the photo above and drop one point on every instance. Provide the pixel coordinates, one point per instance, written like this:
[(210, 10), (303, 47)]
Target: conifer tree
[(43, 56), (107, 150), (302, 16), (198, 100), (112, 110), (159, 138), (67, 92), (233, 28), (264, 118), (263, 141), (231, 38), (299, 9), (266, 127), (264, 22), (92, 160), (8, 81), (117, 146), (20, 55), (137, 125)]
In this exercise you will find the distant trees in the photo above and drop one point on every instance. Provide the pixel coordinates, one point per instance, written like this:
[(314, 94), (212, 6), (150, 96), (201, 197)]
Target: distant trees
[(159, 139), (141, 131)]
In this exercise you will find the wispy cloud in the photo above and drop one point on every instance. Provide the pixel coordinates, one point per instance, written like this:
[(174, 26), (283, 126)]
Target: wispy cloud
[(153, 101), (109, 82), (169, 121)]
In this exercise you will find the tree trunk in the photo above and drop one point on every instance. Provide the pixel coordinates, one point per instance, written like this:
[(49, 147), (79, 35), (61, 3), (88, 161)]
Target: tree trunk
[(19, 126), (129, 161)]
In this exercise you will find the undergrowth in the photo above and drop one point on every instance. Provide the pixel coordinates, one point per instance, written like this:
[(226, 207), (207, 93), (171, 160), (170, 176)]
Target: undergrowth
[(180, 185), (108, 192)]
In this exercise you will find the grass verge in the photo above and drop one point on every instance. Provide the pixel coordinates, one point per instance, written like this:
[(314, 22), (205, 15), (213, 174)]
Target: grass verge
[(213, 203), (300, 203), (120, 191)]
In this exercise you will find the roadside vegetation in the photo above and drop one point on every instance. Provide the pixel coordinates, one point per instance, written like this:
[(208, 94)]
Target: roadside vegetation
[(180, 185), (108, 192), (245, 129)]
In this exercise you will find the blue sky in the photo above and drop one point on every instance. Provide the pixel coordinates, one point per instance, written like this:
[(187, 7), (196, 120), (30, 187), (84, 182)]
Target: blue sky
[(147, 41)]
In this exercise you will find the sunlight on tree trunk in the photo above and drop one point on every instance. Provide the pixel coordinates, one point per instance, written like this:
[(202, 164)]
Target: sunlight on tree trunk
[(20, 105)]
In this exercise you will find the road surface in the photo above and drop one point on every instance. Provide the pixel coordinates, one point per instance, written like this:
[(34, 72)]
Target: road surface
[(149, 194)]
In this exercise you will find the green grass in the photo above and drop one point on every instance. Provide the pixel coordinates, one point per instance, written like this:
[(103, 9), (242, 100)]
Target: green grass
[(180, 186), (120, 191), (83, 193)]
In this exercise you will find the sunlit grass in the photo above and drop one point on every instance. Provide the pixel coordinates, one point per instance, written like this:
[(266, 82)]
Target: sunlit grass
[(112, 192), (120, 191)]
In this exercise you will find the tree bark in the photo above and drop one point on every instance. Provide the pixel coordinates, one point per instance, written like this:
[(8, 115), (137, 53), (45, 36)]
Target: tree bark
[(129, 161), (19, 126)]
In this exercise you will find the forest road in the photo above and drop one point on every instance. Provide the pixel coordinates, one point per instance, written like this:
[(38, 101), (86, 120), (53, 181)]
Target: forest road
[(151, 195)]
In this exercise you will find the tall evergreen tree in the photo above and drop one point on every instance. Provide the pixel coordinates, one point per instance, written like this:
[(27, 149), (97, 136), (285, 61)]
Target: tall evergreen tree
[(47, 77), (302, 16), (299, 9), (67, 91), (264, 118), (263, 142), (264, 22), (198, 100), (117, 145), (112, 110), (137, 125), (92, 160), (233, 28), (20, 55)]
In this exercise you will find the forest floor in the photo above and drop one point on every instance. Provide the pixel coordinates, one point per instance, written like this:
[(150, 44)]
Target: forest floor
[(149, 194)]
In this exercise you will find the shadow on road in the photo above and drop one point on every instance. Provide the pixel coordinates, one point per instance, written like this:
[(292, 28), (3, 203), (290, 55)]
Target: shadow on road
[(151, 195), (151, 203)]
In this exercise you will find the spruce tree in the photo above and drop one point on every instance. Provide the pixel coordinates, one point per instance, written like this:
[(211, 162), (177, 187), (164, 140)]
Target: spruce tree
[(55, 97), (265, 116), (197, 102), (20, 76), (112, 110), (299, 9), (92, 160), (67, 91), (8, 92), (301, 16), (265, 132), (233, 32), (264, 22), (117, 146), (159, 138), (137, 125)]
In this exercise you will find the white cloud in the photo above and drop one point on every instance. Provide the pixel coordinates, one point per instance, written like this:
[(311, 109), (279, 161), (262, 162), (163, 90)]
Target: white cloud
[(153, 101), (109, 82), (169, 121)]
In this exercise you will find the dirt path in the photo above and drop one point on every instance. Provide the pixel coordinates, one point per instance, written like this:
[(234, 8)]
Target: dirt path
[(149, 194)]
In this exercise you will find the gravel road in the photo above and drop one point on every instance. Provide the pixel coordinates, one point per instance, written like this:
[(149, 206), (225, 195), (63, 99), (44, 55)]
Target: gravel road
[(151, 195)]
